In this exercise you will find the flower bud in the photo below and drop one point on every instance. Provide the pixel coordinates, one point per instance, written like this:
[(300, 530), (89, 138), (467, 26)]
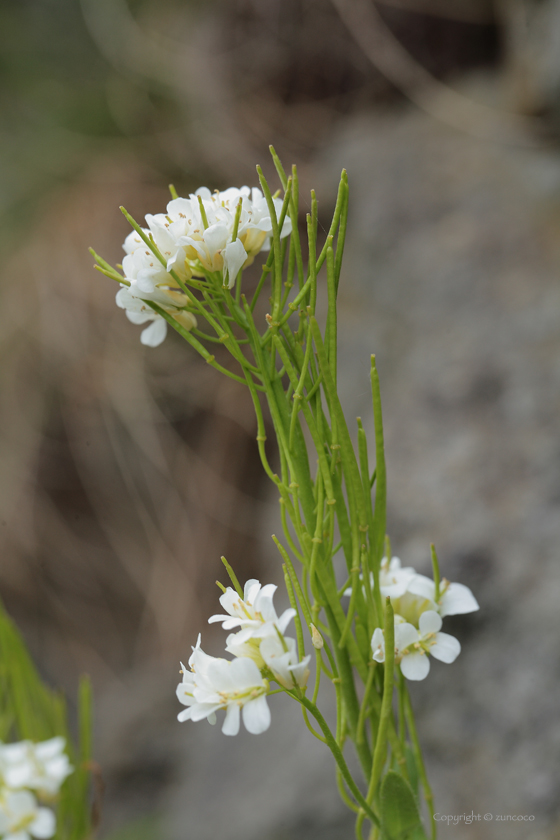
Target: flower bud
[(316, 638)]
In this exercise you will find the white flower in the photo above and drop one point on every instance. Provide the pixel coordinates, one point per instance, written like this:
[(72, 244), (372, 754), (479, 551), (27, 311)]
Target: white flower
[(413, 594), (42, 767), (138, 312), (454, 598), (134, 241), (192, 242), (254, 613), (410, 607), (22, 818), (236, 686), (280, 654), (239, 645), (214, 247), (405, 635), (393, 579), (412, 646)]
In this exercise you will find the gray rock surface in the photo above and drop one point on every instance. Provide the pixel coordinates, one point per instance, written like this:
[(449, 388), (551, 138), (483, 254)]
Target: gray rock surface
[(452, 278)]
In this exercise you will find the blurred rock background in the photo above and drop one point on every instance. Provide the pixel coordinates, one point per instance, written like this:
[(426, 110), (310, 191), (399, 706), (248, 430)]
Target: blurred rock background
[(126, 472)]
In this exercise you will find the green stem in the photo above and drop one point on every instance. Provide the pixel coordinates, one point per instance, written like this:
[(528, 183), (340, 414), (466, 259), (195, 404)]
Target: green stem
[(428, 795), (339, 758), (365, 703), (379, 754)]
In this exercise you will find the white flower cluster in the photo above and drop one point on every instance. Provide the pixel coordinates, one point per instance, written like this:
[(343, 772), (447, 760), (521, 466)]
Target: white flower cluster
[(29, 773), (418, 618), (262, 652), (202, 234)]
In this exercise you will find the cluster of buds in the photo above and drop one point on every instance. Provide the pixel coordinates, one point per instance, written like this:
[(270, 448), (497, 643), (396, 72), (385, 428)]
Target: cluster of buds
[(30, 776), (206, 234), (420, 604), (262, 653)]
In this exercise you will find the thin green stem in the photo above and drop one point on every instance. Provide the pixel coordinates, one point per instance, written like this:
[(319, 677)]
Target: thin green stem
[(365, 703), (386, 703), (428, 795), (339, 758)]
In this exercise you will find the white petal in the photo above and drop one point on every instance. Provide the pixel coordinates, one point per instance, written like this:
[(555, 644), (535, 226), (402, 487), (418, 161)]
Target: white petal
[(139, 317), (415, 666), (447, 648), (234, 255), (263, 602), (245, 674), (396, 588), (215, 238), (153, 335), (229, 600), (285, 619), (256, 715), (405, 634), (122, 297), (50, 748), (457, 600), (21, 803), (203, 710), (185, 715), (422, 586), (19, 775), (145, 282), (248, 594), (43, 826), (429, 622), (231, 722), (300, 672), (378, 645), (180, 205), (229, 622), (132, 242)]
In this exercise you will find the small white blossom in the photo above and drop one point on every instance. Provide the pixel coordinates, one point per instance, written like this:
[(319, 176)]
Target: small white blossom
[(42, 766), (393, 579), (413, 594), (280, 655), (213, 247), (410, 607), (133, 301), (236, 686), (254, 613), (412, 646), (134, 241), (454, 598), (189, 243), (21, 817)]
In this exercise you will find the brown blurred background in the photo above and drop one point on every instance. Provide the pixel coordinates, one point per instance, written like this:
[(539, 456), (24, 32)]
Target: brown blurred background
[(126, 472)]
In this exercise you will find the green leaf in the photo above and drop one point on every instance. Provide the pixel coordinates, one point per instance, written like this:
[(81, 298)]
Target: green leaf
[(399, 813)]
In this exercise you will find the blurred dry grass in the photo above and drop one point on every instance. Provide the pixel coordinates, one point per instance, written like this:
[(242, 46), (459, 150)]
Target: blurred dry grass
[(126, 474)]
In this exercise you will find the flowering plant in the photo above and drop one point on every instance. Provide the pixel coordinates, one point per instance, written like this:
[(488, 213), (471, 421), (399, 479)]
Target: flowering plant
[(185, 270), (44, 777)]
